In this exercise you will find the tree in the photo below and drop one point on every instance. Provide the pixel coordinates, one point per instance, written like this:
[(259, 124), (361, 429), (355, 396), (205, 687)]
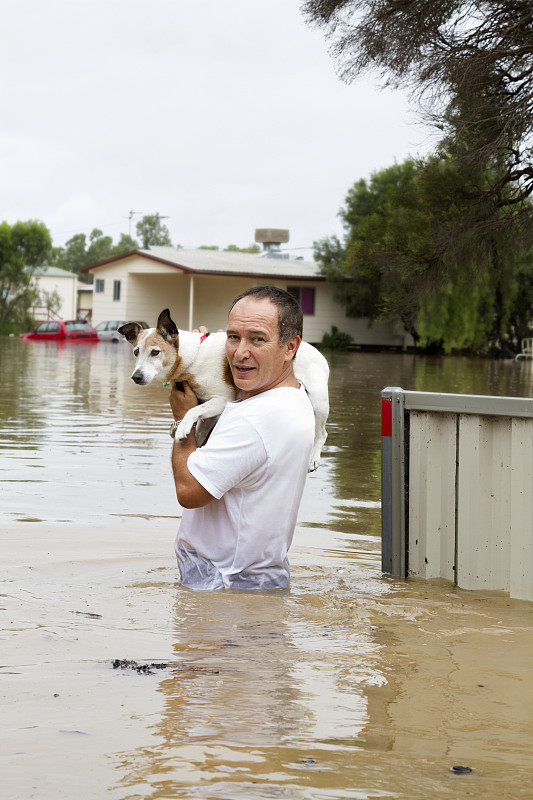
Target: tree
[(233, 248), (24, 247), (470, 64), (398, 260), (152, 232), (78, 253)]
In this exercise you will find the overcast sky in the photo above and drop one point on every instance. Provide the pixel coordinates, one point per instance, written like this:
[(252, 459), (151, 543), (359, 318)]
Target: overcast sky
[(223, 117)]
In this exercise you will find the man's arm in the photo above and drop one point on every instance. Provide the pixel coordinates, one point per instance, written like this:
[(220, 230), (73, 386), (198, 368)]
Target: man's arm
[(190, 493)]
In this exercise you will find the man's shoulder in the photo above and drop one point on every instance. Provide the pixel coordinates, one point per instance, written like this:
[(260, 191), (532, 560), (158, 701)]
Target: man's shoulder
[(279, 406)]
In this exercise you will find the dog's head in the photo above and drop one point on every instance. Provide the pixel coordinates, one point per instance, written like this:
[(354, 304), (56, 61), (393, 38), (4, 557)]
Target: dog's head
[(155, 349)]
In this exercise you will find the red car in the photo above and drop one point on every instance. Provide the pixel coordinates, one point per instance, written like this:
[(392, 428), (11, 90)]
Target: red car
[(68, 330)]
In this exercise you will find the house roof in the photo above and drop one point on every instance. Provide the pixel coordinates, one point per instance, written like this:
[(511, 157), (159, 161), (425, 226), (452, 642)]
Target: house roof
[(53, 272), (215, 262)]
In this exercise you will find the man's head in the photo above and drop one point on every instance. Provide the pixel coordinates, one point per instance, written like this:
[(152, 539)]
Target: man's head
[(263, 335), (290, 317)]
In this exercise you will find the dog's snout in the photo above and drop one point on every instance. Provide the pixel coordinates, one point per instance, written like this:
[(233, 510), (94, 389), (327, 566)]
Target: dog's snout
[(138, 377)]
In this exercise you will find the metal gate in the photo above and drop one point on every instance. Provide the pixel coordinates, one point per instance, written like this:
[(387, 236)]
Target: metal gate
[(457, 489)]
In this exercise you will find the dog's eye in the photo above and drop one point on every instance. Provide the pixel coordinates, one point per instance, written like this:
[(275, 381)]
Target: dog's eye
[(155, 351), (136, 352)]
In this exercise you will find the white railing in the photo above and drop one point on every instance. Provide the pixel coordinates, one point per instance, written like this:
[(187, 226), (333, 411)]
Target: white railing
[(527, 350)]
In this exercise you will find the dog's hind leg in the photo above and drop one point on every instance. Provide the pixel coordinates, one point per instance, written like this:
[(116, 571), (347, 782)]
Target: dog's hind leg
[(320, 402)]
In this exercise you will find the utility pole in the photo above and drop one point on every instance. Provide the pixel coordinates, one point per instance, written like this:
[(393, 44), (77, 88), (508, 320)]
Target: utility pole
[(130, 217)]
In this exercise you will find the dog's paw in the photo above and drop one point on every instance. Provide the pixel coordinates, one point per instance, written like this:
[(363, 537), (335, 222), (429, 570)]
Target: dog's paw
[(184, 428)]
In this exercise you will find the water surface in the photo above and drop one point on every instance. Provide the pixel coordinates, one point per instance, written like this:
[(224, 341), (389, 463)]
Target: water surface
[(350, 685)]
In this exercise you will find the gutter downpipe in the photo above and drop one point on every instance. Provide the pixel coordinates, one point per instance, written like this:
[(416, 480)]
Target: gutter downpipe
[(191, 300), (393, 507)]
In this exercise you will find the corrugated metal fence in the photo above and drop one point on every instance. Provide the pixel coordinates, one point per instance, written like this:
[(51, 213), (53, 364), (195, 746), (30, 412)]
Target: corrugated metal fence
[(457, 489)]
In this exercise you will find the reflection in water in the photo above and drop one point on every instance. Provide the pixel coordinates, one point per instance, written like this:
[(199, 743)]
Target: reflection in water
[(350, 685)]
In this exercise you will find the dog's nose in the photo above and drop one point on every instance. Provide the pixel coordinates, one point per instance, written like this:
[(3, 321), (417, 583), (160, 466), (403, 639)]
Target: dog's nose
[(137, 377)]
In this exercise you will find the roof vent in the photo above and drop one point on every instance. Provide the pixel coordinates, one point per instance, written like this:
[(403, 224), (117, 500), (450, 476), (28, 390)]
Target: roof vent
[(271, 239)]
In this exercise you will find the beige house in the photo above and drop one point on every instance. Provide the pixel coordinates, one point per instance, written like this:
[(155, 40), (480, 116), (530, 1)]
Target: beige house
[(85, 301), (199, 285), (55, 283)]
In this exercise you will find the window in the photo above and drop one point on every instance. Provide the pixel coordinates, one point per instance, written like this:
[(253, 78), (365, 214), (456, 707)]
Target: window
[(99, 285), (116, 290), (77, 325), (305, 296)]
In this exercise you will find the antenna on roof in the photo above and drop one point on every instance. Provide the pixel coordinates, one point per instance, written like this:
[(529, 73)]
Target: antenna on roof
[(130, 217)]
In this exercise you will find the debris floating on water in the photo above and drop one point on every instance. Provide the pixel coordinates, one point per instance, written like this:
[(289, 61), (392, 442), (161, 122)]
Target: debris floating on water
[(147, 669), (88, 614), (458, 770)]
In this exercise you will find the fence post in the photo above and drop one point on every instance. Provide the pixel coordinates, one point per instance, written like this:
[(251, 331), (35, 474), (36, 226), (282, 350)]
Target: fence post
[(393, 534)]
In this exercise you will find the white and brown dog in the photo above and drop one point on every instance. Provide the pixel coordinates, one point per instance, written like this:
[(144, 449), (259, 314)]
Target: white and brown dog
[(176, 356)]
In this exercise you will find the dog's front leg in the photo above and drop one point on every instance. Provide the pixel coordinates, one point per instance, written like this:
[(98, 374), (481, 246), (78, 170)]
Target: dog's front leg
[(211, 408)]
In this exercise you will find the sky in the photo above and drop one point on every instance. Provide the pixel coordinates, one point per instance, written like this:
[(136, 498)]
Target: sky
[(221, 117)]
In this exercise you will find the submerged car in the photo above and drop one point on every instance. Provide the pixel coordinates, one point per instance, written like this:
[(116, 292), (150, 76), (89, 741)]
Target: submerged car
[(107, 330), (58, 330)]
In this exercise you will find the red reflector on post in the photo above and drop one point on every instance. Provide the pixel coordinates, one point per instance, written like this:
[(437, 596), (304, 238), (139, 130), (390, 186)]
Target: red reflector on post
[(386, 417)]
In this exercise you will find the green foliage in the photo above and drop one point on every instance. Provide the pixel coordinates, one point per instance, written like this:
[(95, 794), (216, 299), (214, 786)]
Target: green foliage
[(51, 300), (252, 248), (417, 250), (79, 253), (469, 67), (336, 340), (24, 247), (152, 232), (232, 248)]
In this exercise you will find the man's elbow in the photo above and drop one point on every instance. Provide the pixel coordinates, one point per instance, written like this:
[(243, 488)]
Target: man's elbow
[(192, 496)]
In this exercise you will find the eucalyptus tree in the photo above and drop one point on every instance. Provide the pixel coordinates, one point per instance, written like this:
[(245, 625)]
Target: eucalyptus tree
[(469, 64), (24, 247), (398, 260)]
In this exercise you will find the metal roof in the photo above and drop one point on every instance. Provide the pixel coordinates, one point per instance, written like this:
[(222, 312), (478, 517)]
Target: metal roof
[(53, 272), (212, 262), (227, 263)]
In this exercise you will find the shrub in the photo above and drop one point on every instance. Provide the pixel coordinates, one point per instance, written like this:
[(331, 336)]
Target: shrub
[(336, 340)]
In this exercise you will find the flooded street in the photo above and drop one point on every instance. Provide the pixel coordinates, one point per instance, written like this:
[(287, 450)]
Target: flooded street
[(349, 685)]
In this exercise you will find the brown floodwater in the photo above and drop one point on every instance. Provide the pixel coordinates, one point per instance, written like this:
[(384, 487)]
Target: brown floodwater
[(349, 685)]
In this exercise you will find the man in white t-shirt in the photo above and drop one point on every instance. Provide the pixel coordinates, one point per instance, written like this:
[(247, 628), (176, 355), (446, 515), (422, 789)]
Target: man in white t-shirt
[(242, 489)]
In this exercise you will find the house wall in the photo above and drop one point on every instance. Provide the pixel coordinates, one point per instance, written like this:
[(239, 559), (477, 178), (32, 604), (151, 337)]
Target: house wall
[(84, 308), (104, 307), (66, 288), (328, 312)]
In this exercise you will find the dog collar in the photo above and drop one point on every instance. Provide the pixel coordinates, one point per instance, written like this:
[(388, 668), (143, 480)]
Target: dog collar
[(203, 336)]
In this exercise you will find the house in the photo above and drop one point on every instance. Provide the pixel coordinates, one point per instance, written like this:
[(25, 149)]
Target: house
[(84, 308), (57, 294), (199, 285)]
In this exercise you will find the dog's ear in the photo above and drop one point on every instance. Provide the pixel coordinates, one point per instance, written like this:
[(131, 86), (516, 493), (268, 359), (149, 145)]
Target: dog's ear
[(165, 326), (130, 331)]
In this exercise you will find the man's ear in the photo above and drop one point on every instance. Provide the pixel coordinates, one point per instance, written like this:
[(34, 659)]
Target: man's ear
[(291, 348)]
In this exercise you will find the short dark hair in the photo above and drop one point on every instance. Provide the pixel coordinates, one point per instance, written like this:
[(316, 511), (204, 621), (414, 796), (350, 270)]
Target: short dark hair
[(290, 317)]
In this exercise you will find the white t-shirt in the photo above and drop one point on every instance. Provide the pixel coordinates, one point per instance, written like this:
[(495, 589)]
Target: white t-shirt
[(254, 464)]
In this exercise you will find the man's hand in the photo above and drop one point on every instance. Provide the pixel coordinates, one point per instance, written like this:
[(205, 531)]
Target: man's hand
[(181, 402), (190, 493)]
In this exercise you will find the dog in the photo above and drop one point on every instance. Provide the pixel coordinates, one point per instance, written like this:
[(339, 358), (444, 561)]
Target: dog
[(176, 356)]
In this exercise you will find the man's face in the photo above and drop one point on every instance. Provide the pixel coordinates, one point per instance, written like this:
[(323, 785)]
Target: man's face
[(258, 362)]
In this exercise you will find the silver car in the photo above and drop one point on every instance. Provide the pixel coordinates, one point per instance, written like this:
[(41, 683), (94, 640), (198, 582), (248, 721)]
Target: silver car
[(107, 330)]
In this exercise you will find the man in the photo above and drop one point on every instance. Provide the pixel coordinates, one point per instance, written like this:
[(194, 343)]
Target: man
[(242, 489)]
